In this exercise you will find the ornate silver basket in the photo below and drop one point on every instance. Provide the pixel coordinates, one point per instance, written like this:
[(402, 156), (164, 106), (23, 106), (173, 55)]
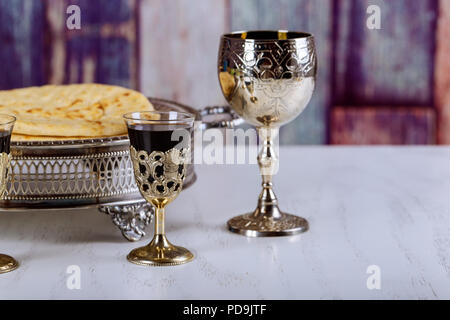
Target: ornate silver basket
[(91, 172)]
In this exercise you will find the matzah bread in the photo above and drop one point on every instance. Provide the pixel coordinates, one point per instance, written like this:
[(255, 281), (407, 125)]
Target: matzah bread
[(77, 110), (24, 137)]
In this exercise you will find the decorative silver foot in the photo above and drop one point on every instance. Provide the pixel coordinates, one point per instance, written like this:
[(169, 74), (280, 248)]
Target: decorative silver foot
[(267, 220), (131, 218)]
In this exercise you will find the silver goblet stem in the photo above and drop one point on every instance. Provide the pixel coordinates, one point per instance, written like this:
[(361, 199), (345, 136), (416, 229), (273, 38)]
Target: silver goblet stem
[(268, 165), (267, 219)]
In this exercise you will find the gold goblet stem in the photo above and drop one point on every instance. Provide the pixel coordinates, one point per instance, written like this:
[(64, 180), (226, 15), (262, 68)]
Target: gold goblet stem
[(159, 221), (159, 238), (160, 252)]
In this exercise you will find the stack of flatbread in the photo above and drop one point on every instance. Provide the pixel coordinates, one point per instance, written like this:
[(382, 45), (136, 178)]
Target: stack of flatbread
[(66, 112)]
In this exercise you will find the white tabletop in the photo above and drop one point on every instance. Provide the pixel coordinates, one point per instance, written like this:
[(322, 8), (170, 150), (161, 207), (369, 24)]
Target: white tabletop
[(382, 206)]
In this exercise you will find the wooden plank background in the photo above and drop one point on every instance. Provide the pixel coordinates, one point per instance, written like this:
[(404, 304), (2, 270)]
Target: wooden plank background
[(383, 125), (385, 68), (442, 72), (22, 52), (38, 48), (390, 66), (311, 16), (179, 46), (373, 78), (104, 50)]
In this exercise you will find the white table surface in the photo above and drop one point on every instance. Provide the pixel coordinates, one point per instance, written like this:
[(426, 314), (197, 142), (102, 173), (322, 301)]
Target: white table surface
[(384, 206)]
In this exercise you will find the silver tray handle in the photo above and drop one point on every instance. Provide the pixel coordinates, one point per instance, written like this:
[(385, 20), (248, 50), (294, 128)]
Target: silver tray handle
[(219, 117)]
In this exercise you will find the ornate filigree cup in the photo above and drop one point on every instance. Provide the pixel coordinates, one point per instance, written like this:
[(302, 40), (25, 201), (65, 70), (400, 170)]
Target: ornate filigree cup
[(7, 263), (160, 151), (268, 77)]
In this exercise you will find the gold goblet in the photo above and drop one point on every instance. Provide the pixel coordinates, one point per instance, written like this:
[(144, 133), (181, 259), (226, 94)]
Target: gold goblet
[(160, 150), (268, 78), (7, 263)]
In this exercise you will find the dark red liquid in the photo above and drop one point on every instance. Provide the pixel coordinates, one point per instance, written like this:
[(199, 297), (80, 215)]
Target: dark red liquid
[(5, 139), (159, 137)]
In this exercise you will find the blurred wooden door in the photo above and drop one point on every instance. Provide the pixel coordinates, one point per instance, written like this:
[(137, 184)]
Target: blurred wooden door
[(383, 78), (37, 47), (386, 86)]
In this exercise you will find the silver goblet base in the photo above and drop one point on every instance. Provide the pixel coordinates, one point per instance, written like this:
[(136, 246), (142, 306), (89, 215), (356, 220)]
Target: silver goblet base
[(267, 220), (271, 224), (268, 78)]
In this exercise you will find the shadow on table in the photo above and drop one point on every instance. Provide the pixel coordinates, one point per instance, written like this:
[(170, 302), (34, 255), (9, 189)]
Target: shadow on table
[(76, 226)]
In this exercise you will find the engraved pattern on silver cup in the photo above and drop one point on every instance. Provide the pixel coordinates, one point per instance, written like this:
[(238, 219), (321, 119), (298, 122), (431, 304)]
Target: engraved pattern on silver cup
[(267, 82), (268, 78)]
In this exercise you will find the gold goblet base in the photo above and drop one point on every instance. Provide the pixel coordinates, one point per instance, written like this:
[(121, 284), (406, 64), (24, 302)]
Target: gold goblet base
[(7, 263), (160, 252), (255, 225)]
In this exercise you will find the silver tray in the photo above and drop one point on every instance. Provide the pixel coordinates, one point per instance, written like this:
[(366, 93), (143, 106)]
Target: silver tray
[(92, 172)]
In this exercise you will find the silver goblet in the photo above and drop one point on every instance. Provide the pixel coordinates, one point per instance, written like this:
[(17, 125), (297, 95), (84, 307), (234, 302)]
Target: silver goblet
[(268, 78)]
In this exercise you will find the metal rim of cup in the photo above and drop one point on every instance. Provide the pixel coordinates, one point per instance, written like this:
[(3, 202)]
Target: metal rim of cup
[(11, 119), (180, 117), (246, 35)]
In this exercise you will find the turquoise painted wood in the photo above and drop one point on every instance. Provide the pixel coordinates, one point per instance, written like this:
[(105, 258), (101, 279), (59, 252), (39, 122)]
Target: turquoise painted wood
[(311, 16)]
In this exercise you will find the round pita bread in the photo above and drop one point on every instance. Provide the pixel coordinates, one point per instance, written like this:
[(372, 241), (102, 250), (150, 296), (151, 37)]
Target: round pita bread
[(77, 110)]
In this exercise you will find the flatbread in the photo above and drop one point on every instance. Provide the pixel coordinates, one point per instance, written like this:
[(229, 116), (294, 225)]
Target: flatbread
[(23, 137), (77, 110)]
